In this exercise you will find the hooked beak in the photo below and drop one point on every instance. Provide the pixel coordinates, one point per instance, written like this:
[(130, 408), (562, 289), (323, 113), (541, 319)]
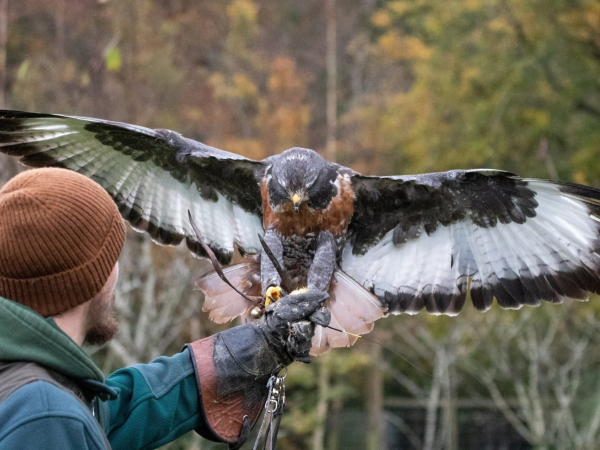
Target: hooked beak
[(297, 202)]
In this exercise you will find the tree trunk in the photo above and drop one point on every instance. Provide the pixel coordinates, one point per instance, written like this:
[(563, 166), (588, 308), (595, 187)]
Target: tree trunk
[(323, 402), (324, 370), (134, 31), (434, 401), (9, 167), (375, 434), (97, 64), (335, 424), (3, 38), (447, 438), (60, 11), (331, 79)]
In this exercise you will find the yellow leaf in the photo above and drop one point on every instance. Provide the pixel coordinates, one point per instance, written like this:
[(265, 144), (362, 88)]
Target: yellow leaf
[(23, 68), (381, 19), (472, 4), (193, 114), (537, 117), (499, 24), (250, 148), (217, 82), (470, 73), (580, 177), (399, 7), (401, 47), (433, 24), (242, 11), (244, 87)]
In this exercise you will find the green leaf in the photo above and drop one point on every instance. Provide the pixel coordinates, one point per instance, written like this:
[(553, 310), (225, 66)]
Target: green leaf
[(113, 59)]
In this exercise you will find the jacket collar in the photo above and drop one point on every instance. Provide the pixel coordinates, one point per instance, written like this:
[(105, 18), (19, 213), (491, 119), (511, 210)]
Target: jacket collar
[(27, 336)]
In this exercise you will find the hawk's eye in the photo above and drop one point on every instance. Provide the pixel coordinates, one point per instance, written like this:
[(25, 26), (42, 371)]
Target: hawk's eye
[(277, 193), (321, 193)]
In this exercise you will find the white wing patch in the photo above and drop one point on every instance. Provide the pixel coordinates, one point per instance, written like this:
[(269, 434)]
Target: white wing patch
[(560, 239), (157, 199)]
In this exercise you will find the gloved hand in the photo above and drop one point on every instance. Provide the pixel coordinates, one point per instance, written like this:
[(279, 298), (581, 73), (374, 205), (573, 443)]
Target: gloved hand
[(233, 367), (289, 324)]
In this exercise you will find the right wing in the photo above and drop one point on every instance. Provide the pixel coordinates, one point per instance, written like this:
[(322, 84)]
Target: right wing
[(425, 241), (154, 176)]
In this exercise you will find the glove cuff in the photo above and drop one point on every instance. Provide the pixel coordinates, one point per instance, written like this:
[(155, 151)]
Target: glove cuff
[(232, 369)]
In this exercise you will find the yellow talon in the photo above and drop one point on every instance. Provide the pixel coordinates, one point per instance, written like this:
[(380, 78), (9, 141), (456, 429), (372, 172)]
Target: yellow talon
[(299, 291), (272, 295)]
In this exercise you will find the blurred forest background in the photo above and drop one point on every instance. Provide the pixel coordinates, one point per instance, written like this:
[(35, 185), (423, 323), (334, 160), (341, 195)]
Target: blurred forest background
[(386, 87)]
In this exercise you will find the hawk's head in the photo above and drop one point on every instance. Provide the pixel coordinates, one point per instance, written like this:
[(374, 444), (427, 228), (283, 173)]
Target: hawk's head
[(301, 176)]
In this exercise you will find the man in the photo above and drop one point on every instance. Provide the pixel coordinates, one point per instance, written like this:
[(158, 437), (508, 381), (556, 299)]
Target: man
[(60, 238)]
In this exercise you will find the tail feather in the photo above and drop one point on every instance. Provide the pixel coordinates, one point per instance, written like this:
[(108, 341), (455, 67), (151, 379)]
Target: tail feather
[(353, 308), (221, 302)]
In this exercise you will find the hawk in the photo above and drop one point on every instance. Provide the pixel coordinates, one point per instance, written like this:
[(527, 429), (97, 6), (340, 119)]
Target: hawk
[(379, 244)]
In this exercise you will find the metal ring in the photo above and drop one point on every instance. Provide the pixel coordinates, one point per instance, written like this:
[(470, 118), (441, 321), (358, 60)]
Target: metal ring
[(271, 411)]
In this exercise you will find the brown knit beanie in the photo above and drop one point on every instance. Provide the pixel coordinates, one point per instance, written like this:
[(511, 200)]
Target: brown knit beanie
[(60, 237)]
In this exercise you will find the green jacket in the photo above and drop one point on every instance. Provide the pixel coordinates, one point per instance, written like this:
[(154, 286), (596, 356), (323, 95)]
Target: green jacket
[(143, 406)]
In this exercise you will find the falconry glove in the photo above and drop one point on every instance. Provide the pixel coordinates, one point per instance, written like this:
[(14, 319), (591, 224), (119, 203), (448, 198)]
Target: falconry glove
[(233, 367), (289, 324)]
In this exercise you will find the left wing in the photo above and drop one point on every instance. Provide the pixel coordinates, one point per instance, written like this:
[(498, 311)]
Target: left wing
[(425, 241), (154, 176)]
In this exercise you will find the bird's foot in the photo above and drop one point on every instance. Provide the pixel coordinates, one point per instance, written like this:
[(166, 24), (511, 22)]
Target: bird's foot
[(273, 294), (301, 290)]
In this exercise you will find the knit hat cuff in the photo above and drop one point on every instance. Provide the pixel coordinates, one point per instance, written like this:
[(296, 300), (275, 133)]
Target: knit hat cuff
[(52, 294)]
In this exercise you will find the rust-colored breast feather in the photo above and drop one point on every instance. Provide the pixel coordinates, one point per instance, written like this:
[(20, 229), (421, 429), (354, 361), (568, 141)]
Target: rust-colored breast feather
[(335, 218)]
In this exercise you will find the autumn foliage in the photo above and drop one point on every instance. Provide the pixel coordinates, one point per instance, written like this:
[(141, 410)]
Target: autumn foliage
[(422, 85)]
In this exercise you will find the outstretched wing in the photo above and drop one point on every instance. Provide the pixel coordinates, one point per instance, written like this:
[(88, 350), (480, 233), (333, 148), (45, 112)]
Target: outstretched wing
[(154, 176), (424, 241)]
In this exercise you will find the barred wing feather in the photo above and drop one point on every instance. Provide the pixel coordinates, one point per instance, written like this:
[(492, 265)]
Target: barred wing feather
[(521, 241), (154, 176)]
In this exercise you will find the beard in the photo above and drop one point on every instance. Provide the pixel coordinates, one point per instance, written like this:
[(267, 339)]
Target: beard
[(101, 322)]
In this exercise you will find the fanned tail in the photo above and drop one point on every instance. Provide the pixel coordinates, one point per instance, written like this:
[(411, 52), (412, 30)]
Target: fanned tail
[(353, 308), (221, 302)]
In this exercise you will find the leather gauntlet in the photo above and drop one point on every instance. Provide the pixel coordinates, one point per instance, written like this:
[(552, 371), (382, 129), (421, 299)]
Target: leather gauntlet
[(233, 367)]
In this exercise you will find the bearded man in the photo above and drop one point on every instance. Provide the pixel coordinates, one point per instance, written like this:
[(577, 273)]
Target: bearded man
[(60, 238)]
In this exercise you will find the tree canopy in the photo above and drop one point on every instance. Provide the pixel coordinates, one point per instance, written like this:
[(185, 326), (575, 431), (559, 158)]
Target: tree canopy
[(422, 85)]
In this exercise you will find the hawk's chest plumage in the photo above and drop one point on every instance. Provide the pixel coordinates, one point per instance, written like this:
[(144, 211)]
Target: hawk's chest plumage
[(335, 218), (299, 231)]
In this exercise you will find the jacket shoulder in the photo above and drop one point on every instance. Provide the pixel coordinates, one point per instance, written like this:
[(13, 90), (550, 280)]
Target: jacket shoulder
[(41, 412)]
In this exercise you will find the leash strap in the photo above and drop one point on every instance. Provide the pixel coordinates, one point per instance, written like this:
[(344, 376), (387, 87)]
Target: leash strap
[(273, 413)]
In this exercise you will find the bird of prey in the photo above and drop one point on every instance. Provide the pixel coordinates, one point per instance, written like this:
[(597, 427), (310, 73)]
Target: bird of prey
[(379, 244)]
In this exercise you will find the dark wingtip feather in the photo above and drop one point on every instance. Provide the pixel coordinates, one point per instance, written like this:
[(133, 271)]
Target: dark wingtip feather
[(223, 256)]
